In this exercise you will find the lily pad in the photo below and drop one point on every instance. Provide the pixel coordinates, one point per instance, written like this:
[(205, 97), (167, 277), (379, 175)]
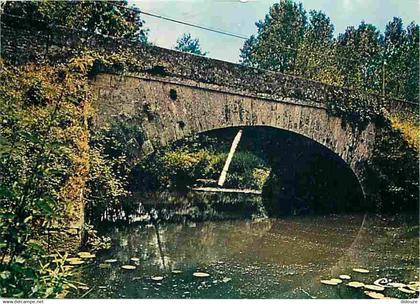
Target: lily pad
[(225, 280), (104, 265), (374, 287), (355, 284), (128, 267), (176, 271), (406, 290), (414, 286), (201, 274), (110, 261), (397, 285), (374, 295), (360, 270), (329, 282), (344, 277), (157, 278)]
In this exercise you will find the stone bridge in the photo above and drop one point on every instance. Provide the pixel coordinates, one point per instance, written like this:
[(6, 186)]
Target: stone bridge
[(172, 95), (170, 108)]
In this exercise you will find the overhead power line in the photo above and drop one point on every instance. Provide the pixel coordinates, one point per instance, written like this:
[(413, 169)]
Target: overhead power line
[(198, 26), (194, 25)]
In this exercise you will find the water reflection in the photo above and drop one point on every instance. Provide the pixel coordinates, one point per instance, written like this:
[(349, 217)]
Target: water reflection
[(272, 258)]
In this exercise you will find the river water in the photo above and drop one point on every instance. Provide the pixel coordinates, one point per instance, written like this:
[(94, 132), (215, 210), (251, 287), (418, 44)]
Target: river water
[(266, 258)]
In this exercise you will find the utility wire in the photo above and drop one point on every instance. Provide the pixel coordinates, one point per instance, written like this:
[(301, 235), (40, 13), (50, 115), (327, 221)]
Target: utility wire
[(138, 10), (194, 25), (206, 28)]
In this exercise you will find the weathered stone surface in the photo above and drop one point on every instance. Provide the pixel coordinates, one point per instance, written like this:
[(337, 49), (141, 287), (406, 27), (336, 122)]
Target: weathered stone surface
[(56, 45), (172, 95), (146, 100)]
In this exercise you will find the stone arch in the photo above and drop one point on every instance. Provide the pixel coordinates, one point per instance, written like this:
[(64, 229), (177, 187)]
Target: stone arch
[(170, 109), (357, 169)]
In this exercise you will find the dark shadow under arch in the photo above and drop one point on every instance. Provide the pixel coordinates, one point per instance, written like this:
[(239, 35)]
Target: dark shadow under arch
[(306, 177)]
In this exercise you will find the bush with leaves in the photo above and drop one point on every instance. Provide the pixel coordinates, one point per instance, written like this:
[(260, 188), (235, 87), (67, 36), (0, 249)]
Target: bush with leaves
[(187, 44), (199, 157), (392, 173), (113, 153), (49, 169), (111, 18), (43, 167), (292, 41)]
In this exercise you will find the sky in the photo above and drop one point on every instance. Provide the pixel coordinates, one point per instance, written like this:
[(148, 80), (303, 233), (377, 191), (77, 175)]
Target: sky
[(239, 17)]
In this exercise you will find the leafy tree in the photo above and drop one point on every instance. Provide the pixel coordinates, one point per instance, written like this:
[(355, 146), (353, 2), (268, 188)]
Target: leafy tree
[(43, 163), (316, 55), (359, 57), (113, 18), (187, 44), (401, 53), (279, 35), (394, 43), (411, 87)]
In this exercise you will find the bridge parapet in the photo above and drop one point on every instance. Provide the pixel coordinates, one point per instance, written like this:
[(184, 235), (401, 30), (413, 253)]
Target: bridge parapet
[(56, 45)]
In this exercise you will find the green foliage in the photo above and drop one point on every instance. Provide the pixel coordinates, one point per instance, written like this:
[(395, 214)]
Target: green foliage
[(47, 169), (247, 171), (282, 30), (112, 18), (180, 168), (105, 187), (33, 276), (200, 157), (43, 162), (113, 152), (187, 44), (409, 128), (360, 58), (316, 58), (392, 173)]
